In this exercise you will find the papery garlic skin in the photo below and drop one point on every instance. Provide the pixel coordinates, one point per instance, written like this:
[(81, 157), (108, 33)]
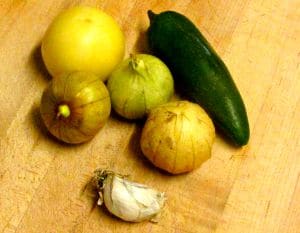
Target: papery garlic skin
[(131, 201)]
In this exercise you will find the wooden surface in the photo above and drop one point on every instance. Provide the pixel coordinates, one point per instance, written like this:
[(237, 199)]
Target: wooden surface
[(255, 189)]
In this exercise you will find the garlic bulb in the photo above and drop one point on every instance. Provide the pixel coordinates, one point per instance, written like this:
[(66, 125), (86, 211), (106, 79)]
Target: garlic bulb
[(128, 200)]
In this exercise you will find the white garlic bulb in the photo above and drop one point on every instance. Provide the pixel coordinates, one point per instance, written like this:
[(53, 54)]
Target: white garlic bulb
[(128, 200)]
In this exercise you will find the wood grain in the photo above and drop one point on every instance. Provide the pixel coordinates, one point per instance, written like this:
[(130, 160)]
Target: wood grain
[(44, 185)]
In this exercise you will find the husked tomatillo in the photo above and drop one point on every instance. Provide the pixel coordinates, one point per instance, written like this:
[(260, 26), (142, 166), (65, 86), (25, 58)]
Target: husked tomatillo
[(139, 84), (75, 106), (178, 136)]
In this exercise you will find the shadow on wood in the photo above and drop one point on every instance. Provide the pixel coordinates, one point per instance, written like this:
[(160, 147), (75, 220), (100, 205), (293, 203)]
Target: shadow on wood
[(141, 44), (37, 63)]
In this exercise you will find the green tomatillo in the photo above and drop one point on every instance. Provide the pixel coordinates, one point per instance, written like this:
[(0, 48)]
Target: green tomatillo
[(139, 84)]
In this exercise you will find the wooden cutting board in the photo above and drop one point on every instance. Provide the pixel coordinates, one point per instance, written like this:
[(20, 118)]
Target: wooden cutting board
[(254, 189)]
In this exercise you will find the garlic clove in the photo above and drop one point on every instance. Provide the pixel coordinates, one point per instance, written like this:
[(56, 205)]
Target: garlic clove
[(131, 201)]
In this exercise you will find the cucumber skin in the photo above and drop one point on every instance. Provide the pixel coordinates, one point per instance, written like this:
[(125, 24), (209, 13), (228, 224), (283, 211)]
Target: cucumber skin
[(199, 72)]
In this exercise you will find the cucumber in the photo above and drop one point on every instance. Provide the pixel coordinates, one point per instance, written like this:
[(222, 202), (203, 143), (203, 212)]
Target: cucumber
[(199, 72)]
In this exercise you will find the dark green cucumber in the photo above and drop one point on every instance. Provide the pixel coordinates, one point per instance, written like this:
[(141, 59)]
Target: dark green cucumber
[(199, 72)]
